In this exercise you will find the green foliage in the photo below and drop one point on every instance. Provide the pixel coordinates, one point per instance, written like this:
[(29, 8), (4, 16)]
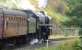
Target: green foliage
[(57, 17), (75, 14), (74, 45), (10, 3)]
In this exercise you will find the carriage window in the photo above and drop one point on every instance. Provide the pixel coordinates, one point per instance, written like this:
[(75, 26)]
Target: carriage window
[(32, 25)]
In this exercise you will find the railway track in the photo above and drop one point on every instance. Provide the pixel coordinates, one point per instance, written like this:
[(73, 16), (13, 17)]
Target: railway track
[(50, 43), (35, 46)]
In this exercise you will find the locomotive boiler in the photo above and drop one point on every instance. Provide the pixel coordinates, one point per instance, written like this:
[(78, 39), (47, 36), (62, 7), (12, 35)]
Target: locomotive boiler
[(20, 26)]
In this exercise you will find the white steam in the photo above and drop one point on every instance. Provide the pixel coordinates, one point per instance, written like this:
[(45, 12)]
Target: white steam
[(42, 3), (25, 4)]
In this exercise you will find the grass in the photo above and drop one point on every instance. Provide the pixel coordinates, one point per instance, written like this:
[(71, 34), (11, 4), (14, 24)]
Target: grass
[(73, 44)]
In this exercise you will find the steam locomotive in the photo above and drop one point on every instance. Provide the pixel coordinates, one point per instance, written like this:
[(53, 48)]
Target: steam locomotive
[(20, 26)]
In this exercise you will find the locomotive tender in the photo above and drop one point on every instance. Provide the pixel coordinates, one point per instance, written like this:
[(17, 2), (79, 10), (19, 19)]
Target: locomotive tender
[(20, 26)]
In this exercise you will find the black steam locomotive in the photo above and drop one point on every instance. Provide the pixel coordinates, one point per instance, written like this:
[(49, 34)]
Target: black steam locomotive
[(21, 26)]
